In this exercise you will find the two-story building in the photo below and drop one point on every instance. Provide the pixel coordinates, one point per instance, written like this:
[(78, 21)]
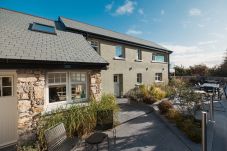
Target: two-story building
[(132, 61), (46, 64)]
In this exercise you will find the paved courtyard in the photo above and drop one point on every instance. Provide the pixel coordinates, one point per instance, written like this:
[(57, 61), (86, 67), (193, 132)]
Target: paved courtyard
[(141, 130)]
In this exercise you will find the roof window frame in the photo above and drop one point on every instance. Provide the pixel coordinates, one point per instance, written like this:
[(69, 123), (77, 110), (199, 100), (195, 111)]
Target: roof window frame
[(33, 29)]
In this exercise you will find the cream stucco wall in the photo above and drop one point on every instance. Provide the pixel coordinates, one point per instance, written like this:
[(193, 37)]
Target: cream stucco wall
[(146, 67)]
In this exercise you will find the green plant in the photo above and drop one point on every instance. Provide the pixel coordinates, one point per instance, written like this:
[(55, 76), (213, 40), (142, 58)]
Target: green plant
[(165, 106), (78, 120), (157, 93), (29, 146), (173, 115)]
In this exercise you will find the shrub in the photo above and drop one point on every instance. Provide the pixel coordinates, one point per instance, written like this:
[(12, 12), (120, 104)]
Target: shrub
[(164, 106), (157, 93), (173, 115), (78, 120), (190, 128)]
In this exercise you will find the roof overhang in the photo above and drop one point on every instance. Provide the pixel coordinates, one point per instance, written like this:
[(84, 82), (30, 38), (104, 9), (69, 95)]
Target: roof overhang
[(31, 64)]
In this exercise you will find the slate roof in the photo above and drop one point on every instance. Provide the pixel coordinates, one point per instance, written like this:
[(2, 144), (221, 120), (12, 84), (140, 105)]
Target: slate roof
[(18, 42), (72, 24)]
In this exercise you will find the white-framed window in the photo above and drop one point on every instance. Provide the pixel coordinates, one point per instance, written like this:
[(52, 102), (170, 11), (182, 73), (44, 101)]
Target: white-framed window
[(95, 45), (139, 54), (158, 58), (158, 77), (65, 87), (78, 85), (119, 52), (139, 77), (6, 86)]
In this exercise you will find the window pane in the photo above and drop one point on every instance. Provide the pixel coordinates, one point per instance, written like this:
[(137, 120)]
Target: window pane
[(57, 93), (139, 54), (159, 58), (43, 28), (6, 91), (6, 81), (83, 77), (118, 51), (63, 77), (56, 77), (78, 91)]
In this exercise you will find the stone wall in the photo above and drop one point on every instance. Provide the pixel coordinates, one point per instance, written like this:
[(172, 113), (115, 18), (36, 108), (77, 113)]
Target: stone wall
[(95, 84), (30, 94)]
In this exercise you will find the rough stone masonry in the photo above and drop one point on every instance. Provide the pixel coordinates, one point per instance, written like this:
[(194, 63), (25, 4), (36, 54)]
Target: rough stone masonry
[(31, 100)]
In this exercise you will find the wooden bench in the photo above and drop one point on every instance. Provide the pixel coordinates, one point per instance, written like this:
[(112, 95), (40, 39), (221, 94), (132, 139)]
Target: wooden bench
[(57, 139)]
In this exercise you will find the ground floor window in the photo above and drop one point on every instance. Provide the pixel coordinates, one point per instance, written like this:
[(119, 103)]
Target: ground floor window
[(158, 77), (139, 77), (6, 86), (67, 86)]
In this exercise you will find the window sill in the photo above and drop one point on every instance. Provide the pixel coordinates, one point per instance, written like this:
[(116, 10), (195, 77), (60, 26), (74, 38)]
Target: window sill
[(159, 81), (63, 105), (119, 58), (138, 84), (158, 62), (137, 60)]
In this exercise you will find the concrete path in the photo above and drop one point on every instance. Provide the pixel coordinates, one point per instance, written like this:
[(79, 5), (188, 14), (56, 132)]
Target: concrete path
[(130, 111), (147, 133), (220, 126)]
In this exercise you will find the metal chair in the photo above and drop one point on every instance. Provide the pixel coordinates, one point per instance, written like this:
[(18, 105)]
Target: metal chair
[(57, 140), (104, 122)]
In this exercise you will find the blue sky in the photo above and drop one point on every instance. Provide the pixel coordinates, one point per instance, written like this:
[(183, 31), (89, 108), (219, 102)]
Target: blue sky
[(194, 29)]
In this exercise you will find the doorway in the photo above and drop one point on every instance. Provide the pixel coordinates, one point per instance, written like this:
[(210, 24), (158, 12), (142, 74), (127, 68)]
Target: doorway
[(8, 108), (118, 85)]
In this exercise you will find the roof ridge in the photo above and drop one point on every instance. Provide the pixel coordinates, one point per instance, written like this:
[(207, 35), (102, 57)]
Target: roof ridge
[(20, 12), (107, 29)]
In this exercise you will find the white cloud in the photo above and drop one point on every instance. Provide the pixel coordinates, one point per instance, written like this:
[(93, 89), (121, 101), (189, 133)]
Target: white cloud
[(207, 42), (127, 8), (191, 55), (140, 11), (195, 12), (162, 12), (134, 32), (109, 7)]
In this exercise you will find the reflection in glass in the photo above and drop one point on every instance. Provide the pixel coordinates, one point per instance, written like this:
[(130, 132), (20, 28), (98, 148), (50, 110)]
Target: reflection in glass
[(6, 81), (78, 91), (57, 93), (7, 91)]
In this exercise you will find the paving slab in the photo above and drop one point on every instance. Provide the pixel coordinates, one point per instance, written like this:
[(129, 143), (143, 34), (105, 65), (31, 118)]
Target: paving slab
[(220, 128)]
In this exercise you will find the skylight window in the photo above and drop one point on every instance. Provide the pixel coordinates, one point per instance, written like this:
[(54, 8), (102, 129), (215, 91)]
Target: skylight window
[(43, 28)]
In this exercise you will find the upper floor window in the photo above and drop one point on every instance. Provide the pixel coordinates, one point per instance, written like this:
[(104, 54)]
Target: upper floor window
[(158, 58), (43, 28), (139, 54), (6, 86), (139, 77), (66, 86), (95, 45), (158, 77), (119, 52)]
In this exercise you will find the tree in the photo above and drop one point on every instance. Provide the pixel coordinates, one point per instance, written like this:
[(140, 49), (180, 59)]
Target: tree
[(181, 71), (199, 70), (223, 67)]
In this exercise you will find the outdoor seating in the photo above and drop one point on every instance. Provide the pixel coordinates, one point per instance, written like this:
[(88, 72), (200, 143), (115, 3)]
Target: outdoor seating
[(104, 122), (57, 139)]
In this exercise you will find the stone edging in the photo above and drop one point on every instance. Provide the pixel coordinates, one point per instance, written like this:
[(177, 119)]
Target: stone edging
[(171, 126)]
